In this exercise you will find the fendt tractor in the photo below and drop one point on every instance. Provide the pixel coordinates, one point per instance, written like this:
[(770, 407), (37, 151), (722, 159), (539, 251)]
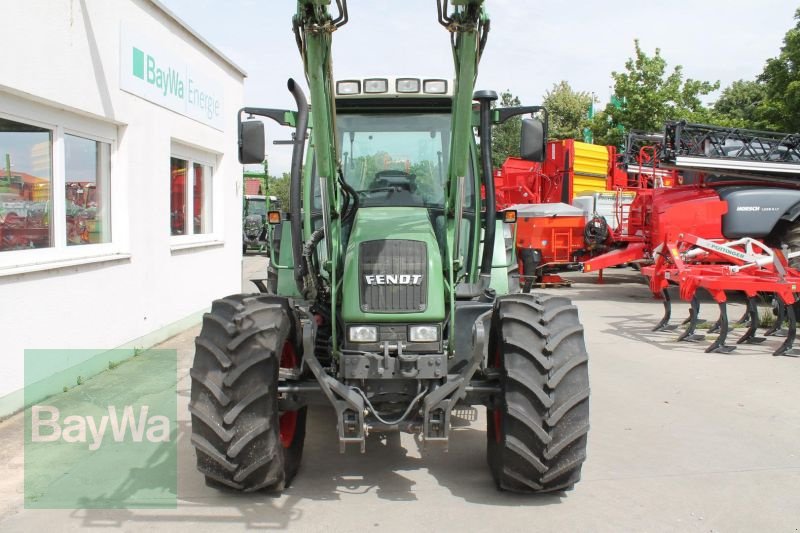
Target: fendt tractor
[(391, 302)]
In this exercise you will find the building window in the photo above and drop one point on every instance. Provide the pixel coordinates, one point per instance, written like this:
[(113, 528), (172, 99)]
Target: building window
[(190, 199), (177, 202), (88, 168), (26, 181), (202, 198)]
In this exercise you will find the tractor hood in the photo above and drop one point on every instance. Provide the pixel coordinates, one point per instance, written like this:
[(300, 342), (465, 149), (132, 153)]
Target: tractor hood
[(393, 261)]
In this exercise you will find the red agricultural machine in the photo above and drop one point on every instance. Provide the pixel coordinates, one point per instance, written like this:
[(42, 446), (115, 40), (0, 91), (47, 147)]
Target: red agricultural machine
[(731, 224), (575, 204), (549, 230)]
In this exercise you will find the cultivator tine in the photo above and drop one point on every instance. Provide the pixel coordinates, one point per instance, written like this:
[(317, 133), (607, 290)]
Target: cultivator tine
[(776, 330), (787, 348), (716, 327), (746, 318), (749, 336), (689, 334), (664, 324), (719, 345), (694, 314)]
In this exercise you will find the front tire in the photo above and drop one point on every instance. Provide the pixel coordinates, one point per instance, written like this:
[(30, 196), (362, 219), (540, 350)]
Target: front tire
[(241, 439), (537, 430)]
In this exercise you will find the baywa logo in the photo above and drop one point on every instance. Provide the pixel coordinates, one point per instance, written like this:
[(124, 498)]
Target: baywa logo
[(170, 82), (47, 426)]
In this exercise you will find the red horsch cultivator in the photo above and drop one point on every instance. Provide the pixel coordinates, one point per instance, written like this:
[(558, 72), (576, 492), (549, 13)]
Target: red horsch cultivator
[(733, 226)]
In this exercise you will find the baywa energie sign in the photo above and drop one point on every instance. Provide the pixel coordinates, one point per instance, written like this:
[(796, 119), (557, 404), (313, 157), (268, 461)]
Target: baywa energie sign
[(151, 70)]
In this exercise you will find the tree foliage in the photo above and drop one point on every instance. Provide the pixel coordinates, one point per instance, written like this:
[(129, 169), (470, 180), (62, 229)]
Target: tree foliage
[(568, 111), (506, 136), (781, 79), (741, 105), (647, 94), (280, 187)]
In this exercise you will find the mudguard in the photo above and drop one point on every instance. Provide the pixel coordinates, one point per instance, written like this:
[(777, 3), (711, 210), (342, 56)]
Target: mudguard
[(754, 211)]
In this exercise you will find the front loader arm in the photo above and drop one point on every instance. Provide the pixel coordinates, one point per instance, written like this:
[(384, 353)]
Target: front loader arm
[(468, 25), (313, 27)]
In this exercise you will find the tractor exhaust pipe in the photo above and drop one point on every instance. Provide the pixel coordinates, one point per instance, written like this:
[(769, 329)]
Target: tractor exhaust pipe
[(485, 99), (296, 183)]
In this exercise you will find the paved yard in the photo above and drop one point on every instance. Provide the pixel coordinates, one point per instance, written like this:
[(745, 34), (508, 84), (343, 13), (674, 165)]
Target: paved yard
[(680, 440)]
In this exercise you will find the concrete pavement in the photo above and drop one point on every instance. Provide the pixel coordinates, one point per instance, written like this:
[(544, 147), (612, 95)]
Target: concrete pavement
[(680, 441)]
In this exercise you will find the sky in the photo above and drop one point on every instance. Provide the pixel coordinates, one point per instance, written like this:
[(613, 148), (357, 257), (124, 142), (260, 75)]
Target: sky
[(532, 44)]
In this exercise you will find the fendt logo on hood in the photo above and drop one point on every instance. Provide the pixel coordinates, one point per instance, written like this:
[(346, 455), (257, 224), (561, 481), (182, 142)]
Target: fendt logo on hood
[(394, 279)]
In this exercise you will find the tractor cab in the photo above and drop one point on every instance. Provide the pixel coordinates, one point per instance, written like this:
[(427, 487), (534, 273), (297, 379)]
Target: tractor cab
[(393, 139)]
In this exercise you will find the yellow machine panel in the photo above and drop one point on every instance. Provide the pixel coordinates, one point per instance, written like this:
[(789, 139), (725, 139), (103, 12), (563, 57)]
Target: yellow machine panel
[(590, 168)]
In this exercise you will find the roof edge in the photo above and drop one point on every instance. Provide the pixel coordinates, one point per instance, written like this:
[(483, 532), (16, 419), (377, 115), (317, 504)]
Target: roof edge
[(164, 9)]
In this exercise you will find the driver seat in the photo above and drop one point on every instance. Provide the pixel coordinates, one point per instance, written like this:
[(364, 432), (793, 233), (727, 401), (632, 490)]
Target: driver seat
[(396, 179)]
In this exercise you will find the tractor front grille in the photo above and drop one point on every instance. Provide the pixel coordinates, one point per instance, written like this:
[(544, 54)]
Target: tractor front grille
[(393, 276)]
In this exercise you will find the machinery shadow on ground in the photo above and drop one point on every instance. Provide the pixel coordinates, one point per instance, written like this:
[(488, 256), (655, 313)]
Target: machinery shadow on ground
[(325, 475), (462, 470), (258, 510), (639, 329)]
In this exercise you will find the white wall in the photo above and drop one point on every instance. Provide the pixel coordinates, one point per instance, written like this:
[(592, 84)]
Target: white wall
[(66, 55)]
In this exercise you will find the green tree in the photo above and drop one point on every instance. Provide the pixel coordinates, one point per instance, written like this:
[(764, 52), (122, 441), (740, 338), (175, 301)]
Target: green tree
[(781, 79), (741, 105), (280, 187), (647, 95), (568, 111), (505, 137)]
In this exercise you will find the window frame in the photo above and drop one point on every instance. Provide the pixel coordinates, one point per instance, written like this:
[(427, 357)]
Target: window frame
[(109, 185), (193, 155), (60, 123)]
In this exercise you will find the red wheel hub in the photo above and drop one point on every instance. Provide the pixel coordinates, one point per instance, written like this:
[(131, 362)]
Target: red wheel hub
[(287, 421)]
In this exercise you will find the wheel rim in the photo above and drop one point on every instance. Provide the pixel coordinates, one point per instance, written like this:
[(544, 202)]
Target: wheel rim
[(287, 421)]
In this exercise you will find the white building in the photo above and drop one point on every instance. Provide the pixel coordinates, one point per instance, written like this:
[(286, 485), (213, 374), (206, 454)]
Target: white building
[(106, 107)]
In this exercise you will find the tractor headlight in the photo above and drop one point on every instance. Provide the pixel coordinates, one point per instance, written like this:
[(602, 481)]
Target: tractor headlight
[(348, 87), (407, 85), (423, 333), (435, 86), (376, 85), (363, 334)]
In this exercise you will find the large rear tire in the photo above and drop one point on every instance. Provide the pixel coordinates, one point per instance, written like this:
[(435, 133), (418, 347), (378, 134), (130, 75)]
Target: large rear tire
[(791, 238), (537, 434), (241, 439)]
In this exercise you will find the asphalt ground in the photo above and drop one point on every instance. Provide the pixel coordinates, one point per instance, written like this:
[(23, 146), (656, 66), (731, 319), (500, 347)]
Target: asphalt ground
[(681, 440)]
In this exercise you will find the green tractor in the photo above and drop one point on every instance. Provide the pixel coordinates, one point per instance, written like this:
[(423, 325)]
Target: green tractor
[(391, 301)]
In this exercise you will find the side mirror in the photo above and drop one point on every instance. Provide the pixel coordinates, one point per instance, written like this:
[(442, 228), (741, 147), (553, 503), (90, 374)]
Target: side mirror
[(251, 142), (533, 140)]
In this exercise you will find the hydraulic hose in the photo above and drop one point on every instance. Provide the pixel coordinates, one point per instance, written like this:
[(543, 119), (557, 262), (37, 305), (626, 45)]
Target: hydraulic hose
[(296, 183), (308, 249), (596, 231)]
